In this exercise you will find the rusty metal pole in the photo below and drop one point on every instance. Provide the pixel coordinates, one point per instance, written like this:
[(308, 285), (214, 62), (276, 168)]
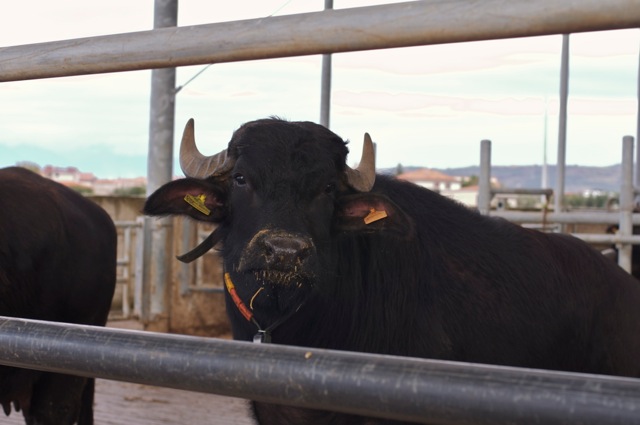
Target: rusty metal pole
[(158, 232)]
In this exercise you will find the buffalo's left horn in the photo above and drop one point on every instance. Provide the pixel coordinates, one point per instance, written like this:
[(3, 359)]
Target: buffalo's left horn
[(363, 177), (196, 165)]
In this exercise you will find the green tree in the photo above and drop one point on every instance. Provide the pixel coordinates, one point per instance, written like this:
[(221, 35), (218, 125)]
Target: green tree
[(83, 190), (590, 201), (470, 181)]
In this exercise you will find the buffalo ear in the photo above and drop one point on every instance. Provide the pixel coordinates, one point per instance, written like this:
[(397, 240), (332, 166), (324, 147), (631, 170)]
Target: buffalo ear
[(372, 213), (202, 200)]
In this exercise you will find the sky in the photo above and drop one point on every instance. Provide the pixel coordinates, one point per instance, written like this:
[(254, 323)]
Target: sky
[(423, 106)]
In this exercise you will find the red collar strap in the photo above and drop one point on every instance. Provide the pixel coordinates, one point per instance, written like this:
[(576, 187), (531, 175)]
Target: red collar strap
[(263, 335)]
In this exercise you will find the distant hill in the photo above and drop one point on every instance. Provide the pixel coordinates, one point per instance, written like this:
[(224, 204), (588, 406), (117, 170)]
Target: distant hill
[(577, 177)]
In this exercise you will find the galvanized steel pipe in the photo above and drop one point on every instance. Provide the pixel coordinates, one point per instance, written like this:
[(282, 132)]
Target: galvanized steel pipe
[(423, 391), (558, 199), (330, 31), (625, 227), (158, 233), (484, 180), (325, 82), (571, 217), (597, 238)]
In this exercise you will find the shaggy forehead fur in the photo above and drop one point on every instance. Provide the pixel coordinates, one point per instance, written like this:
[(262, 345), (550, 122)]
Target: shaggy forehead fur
[(280, 148)]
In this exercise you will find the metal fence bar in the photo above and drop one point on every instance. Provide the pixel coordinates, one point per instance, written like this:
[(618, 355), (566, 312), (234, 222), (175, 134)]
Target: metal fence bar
[(129, 270), (330, 31), (138, 293), (559, 200), (186, 271), (608, 238), (521, 191), (125, 278), (131, 261), (424, 391), (626, 203), (325, 82), (484, 180), (127, 223), (571, 217)]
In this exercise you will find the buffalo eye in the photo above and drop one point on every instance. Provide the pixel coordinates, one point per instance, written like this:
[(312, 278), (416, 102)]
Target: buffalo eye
[(330, 189), (239, 179)]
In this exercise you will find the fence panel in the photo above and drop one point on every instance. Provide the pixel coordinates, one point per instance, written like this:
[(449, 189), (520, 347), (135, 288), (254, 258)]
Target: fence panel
[(418, 390), (331, 31)]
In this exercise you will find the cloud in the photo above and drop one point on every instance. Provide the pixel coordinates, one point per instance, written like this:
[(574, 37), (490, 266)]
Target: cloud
[(428, 105), (41, 21)]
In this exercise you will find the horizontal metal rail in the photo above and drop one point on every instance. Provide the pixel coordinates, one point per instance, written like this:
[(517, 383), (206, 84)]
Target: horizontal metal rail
[(127, 223), (608, 238), (546, 192), (418, 390), (330, 31), (572, 217)]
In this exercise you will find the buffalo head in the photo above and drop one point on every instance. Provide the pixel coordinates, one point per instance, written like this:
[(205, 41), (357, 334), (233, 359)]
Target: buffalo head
[(281, 194)]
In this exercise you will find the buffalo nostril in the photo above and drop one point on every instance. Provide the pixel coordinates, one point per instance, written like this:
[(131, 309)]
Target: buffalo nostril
[(286, 250)]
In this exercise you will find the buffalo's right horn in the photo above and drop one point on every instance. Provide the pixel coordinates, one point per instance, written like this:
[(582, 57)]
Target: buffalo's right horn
[(196, 165), (364, 176)]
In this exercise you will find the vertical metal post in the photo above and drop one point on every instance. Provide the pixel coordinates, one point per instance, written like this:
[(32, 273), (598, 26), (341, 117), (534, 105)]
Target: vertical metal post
[(626, 203), (126, 311), (158, 232), (484, 180), (637, 169), (138, 271), (189, 235), (562, 127), (544, 184), (325, 91), (636, 183)]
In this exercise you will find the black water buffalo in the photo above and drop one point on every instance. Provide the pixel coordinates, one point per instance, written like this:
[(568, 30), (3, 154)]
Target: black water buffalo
[(57, 263), (319, 254)]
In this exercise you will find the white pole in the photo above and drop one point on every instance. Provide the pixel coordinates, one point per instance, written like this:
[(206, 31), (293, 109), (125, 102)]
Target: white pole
[(562, 126)]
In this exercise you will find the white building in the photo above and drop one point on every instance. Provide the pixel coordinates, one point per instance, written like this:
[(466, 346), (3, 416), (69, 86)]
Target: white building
[(432, 179), (444, 184)]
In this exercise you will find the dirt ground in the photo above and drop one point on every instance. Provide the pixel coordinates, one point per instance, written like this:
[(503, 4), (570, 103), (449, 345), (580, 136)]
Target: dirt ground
[(120, 403)]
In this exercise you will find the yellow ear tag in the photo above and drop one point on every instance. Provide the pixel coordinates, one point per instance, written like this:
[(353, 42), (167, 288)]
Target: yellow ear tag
[(374, 216), (197, 202)]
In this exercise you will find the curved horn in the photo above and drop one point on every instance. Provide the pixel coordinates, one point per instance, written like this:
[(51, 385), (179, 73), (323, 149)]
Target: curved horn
[(363, 177), (196, 165)]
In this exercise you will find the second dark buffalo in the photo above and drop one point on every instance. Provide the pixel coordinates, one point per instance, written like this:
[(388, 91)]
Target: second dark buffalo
[(57, 263)]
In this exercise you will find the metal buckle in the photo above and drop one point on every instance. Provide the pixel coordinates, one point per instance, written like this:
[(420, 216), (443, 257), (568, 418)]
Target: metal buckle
[(262, 337)]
